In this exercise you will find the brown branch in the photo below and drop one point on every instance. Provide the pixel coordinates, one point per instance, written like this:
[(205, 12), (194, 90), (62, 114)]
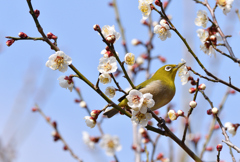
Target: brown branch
[(190, 112), (211, 129), (237, 12), (154, 147), (59, 135), (204, 77), (117, 84), (28, 38), (120, 25)]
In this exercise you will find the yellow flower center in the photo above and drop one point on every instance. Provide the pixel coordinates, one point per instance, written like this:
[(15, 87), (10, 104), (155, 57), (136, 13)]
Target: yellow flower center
[(111, 144), (162, 31), (106, 30), (136, 99), (59, 61), (130, 59), (107, 66), (105, 80), (111, 91), (222, 2), (140, 116), (144, 8)]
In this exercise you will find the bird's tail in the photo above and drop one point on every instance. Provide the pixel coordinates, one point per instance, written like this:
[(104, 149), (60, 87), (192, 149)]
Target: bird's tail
[(110, 113)]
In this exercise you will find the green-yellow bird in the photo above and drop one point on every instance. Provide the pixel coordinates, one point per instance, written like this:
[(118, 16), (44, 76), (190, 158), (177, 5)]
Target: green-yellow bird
[(160, 85)]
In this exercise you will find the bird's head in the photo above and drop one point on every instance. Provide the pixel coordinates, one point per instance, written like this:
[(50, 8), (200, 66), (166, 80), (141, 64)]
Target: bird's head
[(167, 72)]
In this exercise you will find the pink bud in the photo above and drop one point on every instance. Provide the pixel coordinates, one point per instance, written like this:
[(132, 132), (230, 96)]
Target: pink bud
[(209, 111), (192, 90), (209, 148), (22, 35), (95, 113), (96, 27), (202, 86), (162, 59), (159, 156), (37, 13), (34, 109), (193, 104), (10, 42), (157, 2), (219, 147), (54, 123)]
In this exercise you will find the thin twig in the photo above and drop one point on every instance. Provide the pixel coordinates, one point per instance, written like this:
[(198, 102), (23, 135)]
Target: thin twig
[(59, 135), (154, 147), (28, 38)]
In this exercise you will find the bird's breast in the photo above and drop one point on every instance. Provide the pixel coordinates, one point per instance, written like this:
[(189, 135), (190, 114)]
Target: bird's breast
[(162, 92)]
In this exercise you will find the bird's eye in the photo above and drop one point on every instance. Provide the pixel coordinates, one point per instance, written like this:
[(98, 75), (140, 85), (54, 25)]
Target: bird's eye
[(168, 68)]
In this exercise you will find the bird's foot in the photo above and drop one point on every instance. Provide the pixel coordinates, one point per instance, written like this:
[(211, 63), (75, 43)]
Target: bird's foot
[(161, 124)]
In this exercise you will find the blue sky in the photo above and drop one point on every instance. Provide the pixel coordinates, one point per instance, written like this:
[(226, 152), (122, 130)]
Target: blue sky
[(26, 80)]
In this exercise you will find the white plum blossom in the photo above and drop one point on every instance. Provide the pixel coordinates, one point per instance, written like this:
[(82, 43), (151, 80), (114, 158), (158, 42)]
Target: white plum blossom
[(135, 42), (144, 7), (110, 91), (66, 82), (183, 73), (230, 128), (208, 49), (59, 61), (141, 118), (87, 139), (107, 65), (90, 121), (148, 102), (225, 5), (162, 30), (111, 144), (135, 99), (129, 58), (105, 78), (202, 34), (140, 60), (218, 36), (202, 18), (110, 31), (172, 115)]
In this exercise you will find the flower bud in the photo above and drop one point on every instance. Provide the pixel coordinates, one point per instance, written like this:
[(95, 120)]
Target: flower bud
[(202, 86), (142, 131), (209, 148), (193, 82), (136, 42), (180, 113), (192, 104), (95, 113), (213, 39), (77, 101), (134, 147), (144, 22), (140, 60), (219, 147), (162, 59), (48, 118), (123, 43), (83, 104), (145, 140), (65, 148), (232, 91), (34, 109), (165, 4), (22, 35), (216, 126), (156, 112), (111, 38), (150, 122), (10, 42), (154, 23), (189, 68), (94, 139), (54, 124), (192, 90), (145, 56), (214, 110), (209, 111), (190, 78), (37, 13), (160, 156), (90, 121)]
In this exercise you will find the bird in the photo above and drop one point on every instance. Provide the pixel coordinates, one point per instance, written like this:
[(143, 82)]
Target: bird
[(161, 85)]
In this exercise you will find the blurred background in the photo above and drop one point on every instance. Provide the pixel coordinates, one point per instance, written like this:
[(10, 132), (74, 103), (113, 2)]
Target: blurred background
[(26, 137)]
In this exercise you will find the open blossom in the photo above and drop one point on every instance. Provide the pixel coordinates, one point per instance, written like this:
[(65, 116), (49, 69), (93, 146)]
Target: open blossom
[(208, 49), (111, 144), (110, 91), (90, 121), (66, 82), (141, 118), (202, 34), (172, 115), (129, 58), (105, 78), (162, 30), (225, 5), (231, 128), (144, 7), (87, 139), (202, 18), (59, 61), (110, 31), (183, 73), (107, 65), (135, 99), (148, 102)]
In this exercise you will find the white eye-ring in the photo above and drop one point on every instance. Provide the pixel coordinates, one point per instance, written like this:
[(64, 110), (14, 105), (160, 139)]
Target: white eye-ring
[(168, 68)]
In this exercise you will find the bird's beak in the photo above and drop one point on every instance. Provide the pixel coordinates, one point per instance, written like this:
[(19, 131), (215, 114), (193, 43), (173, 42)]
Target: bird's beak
[(179, 65)]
